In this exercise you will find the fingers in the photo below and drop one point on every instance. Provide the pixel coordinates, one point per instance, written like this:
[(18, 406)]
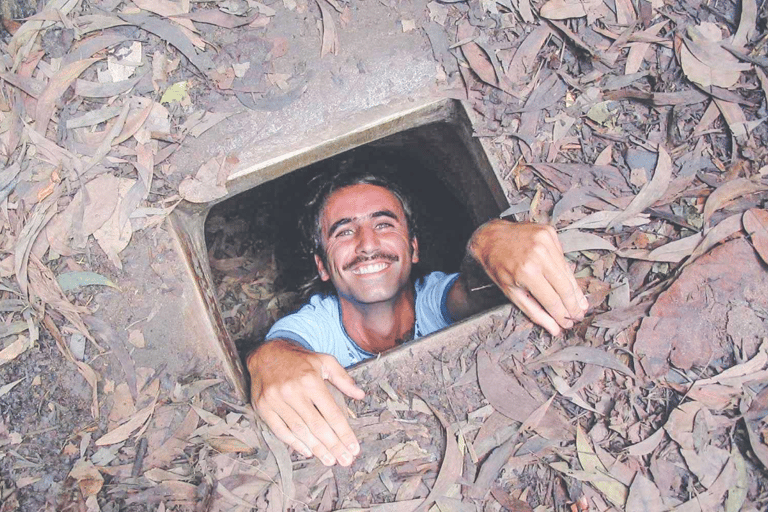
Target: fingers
[(533, 310), (283, 433), (334, 373), (339, 439)]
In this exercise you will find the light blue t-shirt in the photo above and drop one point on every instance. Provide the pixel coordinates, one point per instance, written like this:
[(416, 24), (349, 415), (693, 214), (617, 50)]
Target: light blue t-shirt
[(317, 326)]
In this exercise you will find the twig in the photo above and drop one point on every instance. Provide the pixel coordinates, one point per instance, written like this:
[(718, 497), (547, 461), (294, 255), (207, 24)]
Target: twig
[(138, 462)]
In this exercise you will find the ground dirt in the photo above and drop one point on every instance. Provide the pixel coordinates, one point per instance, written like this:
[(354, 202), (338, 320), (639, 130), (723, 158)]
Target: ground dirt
[(635, 128)]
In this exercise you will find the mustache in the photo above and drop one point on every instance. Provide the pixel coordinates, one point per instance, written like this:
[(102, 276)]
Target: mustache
[(377, 256)]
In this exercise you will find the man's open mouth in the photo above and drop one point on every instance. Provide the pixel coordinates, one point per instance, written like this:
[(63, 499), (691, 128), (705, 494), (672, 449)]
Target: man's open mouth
[(370, 269)]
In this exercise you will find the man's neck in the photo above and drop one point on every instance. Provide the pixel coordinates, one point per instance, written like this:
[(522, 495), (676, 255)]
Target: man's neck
[(381, 326)]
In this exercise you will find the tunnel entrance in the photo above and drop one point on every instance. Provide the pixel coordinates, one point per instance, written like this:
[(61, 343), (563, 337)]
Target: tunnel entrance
[(242, 251), (254, 241)]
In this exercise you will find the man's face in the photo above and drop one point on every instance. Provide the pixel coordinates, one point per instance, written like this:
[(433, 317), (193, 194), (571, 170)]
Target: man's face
[(369, 252)]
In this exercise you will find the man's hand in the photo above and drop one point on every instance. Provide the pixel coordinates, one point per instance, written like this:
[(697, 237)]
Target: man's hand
[(526, 262), (288, 391)]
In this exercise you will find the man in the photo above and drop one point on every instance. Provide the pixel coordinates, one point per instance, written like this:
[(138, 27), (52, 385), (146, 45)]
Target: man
[(365, 245)]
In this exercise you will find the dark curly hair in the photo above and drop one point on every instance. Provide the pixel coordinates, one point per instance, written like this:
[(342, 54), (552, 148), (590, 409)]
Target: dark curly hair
[(369, 173)]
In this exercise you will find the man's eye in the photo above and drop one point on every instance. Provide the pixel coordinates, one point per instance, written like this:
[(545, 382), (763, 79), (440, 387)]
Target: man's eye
[(383, 225), (343, 232)]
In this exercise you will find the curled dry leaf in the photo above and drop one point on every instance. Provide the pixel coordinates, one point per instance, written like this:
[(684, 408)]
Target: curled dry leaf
[(59, 83), (643, 495), (574, 240), (208, 184), (564, 9), (284, 464), (114, 235), (756, 225), (650, 193), (588, 355), (675, 251), (511, 399), (714, 236), (15, 349), (727, 192), (125, 430), (615, 491), (330, 37), (88, 477)]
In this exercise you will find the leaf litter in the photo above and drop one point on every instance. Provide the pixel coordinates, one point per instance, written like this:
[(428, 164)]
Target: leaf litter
[(632, 411)]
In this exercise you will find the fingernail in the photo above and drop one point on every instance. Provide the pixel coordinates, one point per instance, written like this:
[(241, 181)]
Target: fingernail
[(328, 460), (354, 448), (305, 452), (346, 459), (584, 303)]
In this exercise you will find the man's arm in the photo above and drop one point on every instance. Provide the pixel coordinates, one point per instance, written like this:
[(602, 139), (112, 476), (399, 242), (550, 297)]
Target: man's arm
[(526, 262), (289, 392)]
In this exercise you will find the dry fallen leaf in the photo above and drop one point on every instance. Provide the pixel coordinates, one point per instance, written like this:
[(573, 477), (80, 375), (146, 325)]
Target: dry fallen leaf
[(615, 491), (727, 192), (564, 9), (88, 477), (330, 37), (114, 235), (756, 225), (125, 430), (574, 240), (651, 193), (59, 83), (207, 184)]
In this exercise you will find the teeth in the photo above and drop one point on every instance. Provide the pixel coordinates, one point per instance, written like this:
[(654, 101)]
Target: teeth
[(370, 269)]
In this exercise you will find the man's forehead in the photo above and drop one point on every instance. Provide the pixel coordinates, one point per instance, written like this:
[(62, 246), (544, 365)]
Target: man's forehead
[(357, 201)]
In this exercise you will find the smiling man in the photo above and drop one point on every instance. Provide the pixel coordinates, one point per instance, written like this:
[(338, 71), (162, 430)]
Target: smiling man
[(365, 242)]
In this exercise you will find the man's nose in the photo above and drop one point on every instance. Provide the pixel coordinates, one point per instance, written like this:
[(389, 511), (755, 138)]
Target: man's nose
[(367, 241)]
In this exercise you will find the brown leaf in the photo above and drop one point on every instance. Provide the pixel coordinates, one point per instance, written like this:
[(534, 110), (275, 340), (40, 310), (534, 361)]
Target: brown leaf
[(207, 184), (114, 235), (564, 9), (734, 116), (450, 469), (125, 430), (574, 240), (89, 89), (43, 213), (29, 85), (756, 225), (675, 251), (727, 192), (280, 452), (15, 349), (509, 398), (714, 236), (478, 60), (46, 103), (88, 477), (647, 445), (330, 37), (218, 18), (650, 193), (90, 376), (643, 496), (172, 34), (588, 355)]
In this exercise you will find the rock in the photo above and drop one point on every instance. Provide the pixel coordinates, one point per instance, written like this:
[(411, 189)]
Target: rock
[(707, 309)]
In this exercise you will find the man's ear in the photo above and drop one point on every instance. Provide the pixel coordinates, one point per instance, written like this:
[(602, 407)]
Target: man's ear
[(415, 252), (322, 272)]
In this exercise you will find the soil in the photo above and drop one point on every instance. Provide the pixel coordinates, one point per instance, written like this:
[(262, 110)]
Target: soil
[(646, 119)]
